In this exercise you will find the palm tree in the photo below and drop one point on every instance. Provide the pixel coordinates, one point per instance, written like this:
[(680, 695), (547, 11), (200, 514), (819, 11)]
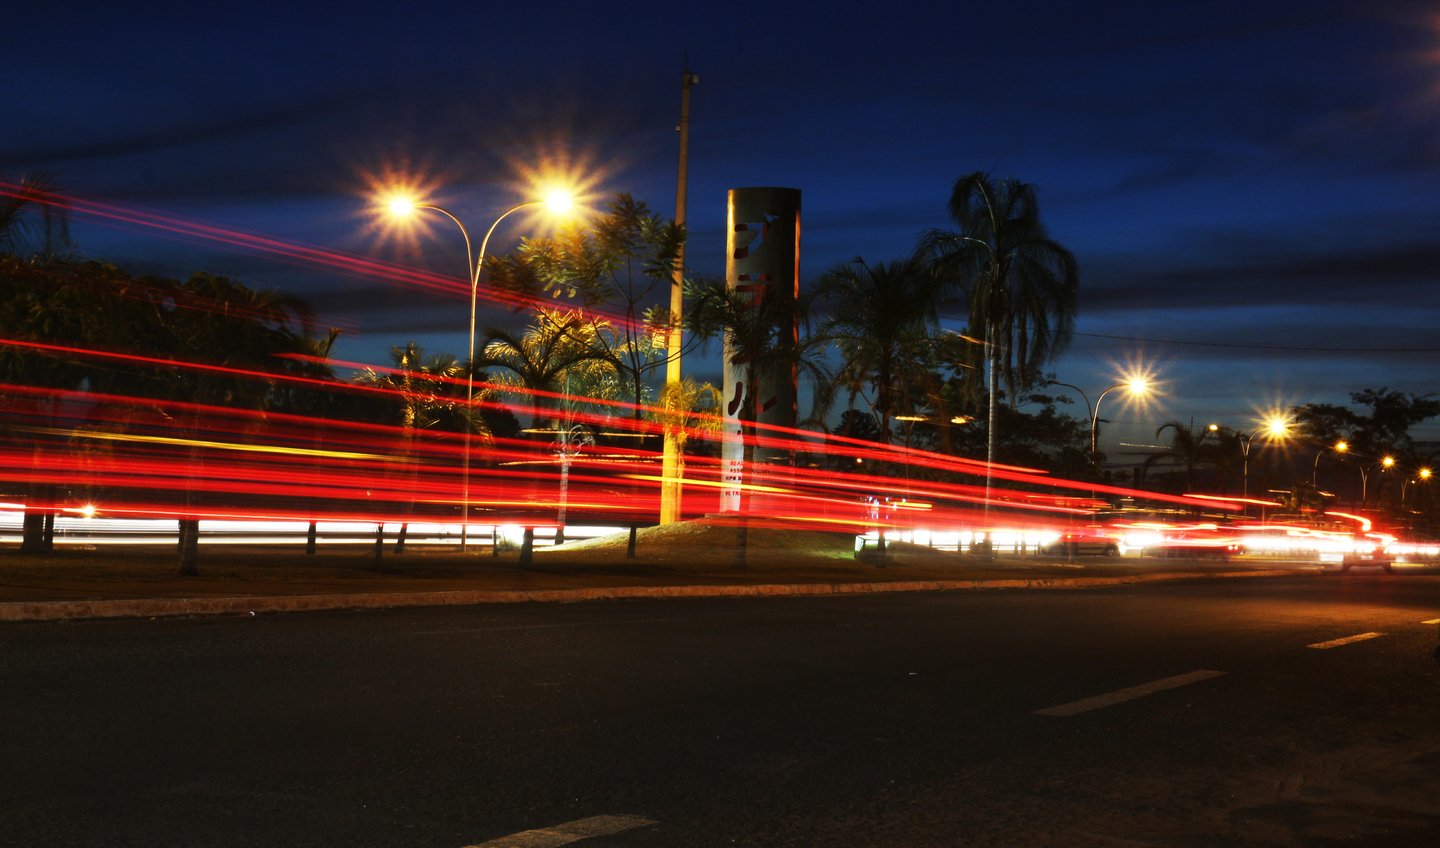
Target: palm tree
[(1227, 451), (613, 263), (760, 334), (688, 407), (1020, 283), (1189, 446), (879, 316), (427, 388), (561, 353), (19, 233), (559, 345)]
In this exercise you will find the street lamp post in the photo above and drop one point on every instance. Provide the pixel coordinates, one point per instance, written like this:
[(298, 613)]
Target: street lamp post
[(1385, 464), (1245, 464), (1340, 447), (1137, 386), (558, 202), (1422, 474), (1277, 430)]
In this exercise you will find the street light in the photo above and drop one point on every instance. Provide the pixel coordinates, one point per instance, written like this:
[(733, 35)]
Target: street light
[(1385, 463), (1340, 447), (1275, 428), (559, 202), (1421, 475), (1137, 386)]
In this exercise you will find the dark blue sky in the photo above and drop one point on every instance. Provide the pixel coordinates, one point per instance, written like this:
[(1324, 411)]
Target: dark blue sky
[(1236, 173)]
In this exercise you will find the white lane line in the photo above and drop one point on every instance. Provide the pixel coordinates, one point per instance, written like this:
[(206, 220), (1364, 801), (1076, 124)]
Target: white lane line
[(563, 834), (1133, 692), (1335, 643), (1432, 621), (541, 626)]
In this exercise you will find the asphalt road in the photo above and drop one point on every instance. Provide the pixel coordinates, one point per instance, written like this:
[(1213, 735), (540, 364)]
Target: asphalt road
[(893, 720)]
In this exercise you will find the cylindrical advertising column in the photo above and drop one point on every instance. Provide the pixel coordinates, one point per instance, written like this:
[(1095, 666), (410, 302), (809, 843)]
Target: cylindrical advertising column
[(762, 259)]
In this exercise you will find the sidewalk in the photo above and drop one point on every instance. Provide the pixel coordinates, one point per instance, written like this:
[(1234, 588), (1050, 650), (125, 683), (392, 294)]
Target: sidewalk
[(136, 581)]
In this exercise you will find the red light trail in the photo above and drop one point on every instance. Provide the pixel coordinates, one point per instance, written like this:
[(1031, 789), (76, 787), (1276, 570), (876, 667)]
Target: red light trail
[(145, 456)]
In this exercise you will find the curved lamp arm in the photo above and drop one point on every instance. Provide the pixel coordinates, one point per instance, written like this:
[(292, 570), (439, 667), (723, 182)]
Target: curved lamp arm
[(475, 264), (1082, 394), (1095, 418)]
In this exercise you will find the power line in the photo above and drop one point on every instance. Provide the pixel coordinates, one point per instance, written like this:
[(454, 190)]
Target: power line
[(1268, 347)]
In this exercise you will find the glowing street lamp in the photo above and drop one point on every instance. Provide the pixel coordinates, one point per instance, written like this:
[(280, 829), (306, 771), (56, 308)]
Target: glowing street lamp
[(1340, 447), (1276, 429), (1385, 463), (1420, 476), (1136, 386), (559, 203)]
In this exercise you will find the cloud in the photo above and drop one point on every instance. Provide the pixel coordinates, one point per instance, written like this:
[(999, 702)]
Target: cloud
[(1331, 264), (1230, 336), (468, 131), (142, 140)]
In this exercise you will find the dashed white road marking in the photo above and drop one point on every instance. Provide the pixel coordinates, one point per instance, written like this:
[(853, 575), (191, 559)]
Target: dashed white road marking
[(1132, 693), (563, 834), (540, 626), (1432, 621), (1335, 643)]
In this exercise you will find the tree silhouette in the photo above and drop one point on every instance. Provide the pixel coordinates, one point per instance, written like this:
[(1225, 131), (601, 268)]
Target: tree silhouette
[(612, 265), (881, 317), (560, 344), (1021, 285), (1190, 447), (20, 233)]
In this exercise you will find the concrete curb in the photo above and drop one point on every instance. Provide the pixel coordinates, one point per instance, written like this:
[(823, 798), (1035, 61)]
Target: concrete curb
[(162, 607)]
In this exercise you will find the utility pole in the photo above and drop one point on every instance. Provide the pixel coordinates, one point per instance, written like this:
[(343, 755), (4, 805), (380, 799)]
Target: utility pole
[(671, 486)]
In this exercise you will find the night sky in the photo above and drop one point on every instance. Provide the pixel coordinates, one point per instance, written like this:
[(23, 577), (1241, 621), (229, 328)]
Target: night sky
[(1253, 175)]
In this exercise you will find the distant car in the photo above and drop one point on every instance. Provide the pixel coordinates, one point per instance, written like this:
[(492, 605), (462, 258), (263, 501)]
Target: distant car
[(1085, 544), (1193, 549), (1376, 557)]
